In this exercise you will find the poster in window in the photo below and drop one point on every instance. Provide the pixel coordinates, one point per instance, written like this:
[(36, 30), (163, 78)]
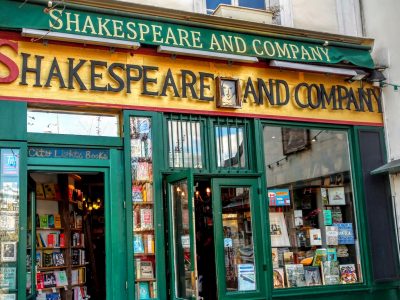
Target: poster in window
[(246, 277), (8, 251), (228, 92), (295, 139), (278, 230)]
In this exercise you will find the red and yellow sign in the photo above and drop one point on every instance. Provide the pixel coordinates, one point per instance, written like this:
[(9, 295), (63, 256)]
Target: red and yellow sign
[(145, 80)]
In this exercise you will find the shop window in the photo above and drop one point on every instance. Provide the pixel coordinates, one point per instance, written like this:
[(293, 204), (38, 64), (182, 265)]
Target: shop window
[(312, 215), (230, 146), (57, 122), (184, 144), (9, 222), (213, 4), (143, 207)]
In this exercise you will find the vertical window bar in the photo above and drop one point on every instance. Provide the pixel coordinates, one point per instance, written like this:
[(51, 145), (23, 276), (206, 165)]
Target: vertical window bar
[(191, 141), (196, 143), (219, 143), (181, 138), (188, 148), (171, 144), (245, 145), (238, 143), (177, 144), (228, 128)]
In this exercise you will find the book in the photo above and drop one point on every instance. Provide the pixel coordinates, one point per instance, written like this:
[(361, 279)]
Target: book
[(138, 246), (62, 240), (332, 235), (331, 254), (279, 197), (348, 274), (50, 221), (57, 221), (146, 218), (8, 278), (137, 195), (298, 218), (279, 281), (281, 252), (336, 196), (49, 280), (74, 277), (39, 281), (342, 251), (48, 259), (53, 296), (61, 278), (337, 216), (148, 192), (288, 257), (143, 290), (278, 230), (39, 258), (275, 261), (315, 237), (324, 196), (295, 275), (136, 148), (43, 221), (146, 270), (58, 259), (49, 191), (78, 222), (327, 217), (149, 243), (39, 191), (346, 234), (330, 272), (319, 257), (312, 276)]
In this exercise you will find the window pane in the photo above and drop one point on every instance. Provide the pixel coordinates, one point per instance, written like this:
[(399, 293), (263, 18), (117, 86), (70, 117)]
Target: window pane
[(311, 207), (230, 147), (73, 123), (184, 139), (260, 4), (143, 205), (213, 4), (9, 221), (238, 239)]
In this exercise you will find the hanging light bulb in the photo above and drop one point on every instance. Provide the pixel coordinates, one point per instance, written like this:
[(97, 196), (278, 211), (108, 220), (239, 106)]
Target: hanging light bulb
[(208, 191)]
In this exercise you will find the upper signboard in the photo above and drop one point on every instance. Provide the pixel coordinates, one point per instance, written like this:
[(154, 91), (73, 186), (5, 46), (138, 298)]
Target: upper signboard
[(17, 15)]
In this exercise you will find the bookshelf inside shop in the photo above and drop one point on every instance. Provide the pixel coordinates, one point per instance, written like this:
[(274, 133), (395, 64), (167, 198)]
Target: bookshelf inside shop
[(63, 251), (143, 208), (313, 234)]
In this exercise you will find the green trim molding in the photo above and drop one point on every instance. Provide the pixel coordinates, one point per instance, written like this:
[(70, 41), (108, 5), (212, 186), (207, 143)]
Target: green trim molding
[(64, 20)]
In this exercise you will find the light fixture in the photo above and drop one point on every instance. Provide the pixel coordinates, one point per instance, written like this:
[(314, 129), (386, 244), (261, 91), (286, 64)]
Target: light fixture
[(376, 76), (208, 191), (76, 38), (207, 54), (352, 74)]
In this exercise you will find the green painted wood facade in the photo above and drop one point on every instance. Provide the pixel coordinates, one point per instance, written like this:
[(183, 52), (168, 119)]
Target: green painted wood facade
[(119, 244)]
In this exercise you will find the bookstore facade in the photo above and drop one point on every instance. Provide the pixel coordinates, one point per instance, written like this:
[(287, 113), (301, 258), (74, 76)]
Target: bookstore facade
[(133, 172)]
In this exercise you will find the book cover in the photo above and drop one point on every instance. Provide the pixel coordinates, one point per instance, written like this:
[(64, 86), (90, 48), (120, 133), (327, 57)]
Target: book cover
[(58, 259), (146, 269), (50, 221), (278, 230), (43, 221), (327, 217), (39, 191), (346, 234), (49, 191), (146, 218), (246, 277), (53, 296), (331, 254), (39, 281), (295, 275), (281, 252), (288, 257), (61, 278), (332, 235), (312, 276), (74, 277), (78, 222), (279, 197), (324, 196), (137, 195), (330, 272), (148, 192), (275, 261), (150, 243), (47, 259), (301, 238), (298, 218), (348, 274), (57, 221), (8, 278), (51, 240), (279, 281), (144, 292), (62, 240), (136, 148), (143, 171), (39, 258), (319, 257), (315, 237), (138, 246), (8, 296), (337, 216), (336, 196), (49, 280)]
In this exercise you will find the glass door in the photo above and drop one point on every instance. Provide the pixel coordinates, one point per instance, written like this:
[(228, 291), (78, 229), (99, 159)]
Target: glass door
[(238, 242), (182, 236)]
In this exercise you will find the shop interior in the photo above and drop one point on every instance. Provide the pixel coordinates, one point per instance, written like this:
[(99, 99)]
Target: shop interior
[(68, 233)]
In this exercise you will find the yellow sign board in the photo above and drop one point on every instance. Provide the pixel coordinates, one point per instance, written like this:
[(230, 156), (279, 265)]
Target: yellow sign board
[(146, 80)]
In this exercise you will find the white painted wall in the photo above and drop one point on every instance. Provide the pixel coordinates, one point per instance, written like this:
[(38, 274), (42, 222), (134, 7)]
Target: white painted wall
[(381, 22), (185, 5)]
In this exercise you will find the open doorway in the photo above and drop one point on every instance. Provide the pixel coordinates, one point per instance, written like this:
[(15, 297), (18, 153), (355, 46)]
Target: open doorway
[(67, 234), (205, 239)]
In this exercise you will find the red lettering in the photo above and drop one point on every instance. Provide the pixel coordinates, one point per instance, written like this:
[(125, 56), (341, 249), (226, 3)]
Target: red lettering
[(9, 63)]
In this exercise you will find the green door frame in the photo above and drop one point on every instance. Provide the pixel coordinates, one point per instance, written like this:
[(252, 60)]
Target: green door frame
[(256, 209), (116, 270), (173, 178)]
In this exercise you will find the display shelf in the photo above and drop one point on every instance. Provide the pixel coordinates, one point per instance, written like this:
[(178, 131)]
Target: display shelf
[(79, 266), (142, 203), (143, 230), (53, 229), (144, 254), (50, 248), (51, 268), (145, 279)]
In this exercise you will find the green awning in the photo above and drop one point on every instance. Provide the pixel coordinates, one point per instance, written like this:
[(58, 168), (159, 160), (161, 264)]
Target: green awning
[(390, 168), (15, 15)]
